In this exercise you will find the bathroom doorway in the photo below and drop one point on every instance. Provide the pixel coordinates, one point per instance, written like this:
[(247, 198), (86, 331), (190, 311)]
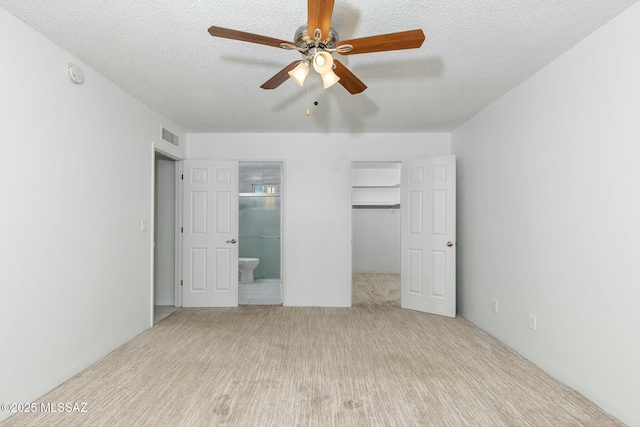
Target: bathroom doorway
[(375, 231), (260, 233)]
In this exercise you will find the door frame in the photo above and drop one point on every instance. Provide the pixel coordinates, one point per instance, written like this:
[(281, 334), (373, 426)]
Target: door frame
[(151, 227), (350, 214), (283, 222)]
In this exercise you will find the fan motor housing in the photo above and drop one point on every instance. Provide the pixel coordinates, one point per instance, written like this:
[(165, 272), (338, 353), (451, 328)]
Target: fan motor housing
[(303, 41)]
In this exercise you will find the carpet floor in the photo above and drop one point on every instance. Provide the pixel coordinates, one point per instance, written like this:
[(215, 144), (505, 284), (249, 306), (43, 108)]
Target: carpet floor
[(376, 289), (370, 365)]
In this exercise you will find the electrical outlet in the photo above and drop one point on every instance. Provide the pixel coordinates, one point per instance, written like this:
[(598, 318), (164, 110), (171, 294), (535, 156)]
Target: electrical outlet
[(494, 307), (532, 322)]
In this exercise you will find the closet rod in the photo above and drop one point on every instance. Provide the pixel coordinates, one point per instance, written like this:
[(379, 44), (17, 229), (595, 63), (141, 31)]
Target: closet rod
[(376, 206)]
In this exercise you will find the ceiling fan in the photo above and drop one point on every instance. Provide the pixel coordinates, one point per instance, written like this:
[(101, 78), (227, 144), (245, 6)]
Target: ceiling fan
[(317, 41)]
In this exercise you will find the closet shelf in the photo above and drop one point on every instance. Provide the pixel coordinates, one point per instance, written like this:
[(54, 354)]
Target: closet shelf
[(377, 186), (376, 204), (375, 196)]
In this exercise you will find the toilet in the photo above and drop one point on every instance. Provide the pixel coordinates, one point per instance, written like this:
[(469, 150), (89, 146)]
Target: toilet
[(245, 267)]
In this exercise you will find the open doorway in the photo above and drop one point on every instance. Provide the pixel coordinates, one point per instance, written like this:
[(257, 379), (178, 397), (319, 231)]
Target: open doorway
[(164, 254), (260, 233), (376, 231), (425, 233)]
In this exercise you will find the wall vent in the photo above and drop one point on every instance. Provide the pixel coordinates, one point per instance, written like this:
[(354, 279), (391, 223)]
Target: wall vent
[(170, 137)]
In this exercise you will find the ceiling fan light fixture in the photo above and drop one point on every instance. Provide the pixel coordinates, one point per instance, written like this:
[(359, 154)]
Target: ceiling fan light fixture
[(317, 42), (329, 79), (300, 72), (322, 62)]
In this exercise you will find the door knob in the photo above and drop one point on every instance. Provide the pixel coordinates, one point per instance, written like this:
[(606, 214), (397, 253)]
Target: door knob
[(231, 241), (449, 244)]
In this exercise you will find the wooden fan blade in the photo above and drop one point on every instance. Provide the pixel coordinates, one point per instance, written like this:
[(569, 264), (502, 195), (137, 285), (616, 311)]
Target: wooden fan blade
[(347, 79), (320, 12), (394, 41), (245, 37), (279, 78)]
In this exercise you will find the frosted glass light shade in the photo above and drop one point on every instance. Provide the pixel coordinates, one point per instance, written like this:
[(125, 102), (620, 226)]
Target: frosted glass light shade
[(299, 73), (329, 79), (322, 62)]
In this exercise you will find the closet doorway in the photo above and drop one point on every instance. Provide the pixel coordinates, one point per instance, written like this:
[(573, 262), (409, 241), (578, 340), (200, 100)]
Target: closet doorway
[(415, 249), (376, 230)]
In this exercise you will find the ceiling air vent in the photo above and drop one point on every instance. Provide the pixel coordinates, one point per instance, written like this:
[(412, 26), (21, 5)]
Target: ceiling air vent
[(171, 138)]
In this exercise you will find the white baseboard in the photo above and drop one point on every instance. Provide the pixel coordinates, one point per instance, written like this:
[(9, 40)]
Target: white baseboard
[(164, 302)]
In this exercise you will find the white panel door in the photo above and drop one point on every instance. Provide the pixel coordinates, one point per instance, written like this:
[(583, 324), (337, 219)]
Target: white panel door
[(428, 259), (210, 234)]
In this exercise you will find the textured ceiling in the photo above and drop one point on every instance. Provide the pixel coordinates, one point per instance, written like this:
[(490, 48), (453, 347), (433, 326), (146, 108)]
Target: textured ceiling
[(160, 52)]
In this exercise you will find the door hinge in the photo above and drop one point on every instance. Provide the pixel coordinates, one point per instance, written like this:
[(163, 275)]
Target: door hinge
[(282, 179), (281, 280), (182, 229), (180, 282)]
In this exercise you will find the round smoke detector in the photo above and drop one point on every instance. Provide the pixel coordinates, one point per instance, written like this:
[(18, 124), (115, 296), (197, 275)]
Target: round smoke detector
[(75, 74)]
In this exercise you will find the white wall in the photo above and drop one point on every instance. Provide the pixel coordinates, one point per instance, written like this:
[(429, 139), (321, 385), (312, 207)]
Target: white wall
[(376, 240), (317, 197), (75, 270), (549, 217), (165, 228)]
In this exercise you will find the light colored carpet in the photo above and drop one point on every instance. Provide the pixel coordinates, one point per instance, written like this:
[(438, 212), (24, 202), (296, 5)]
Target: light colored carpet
[(162, 311), (369, 365), (376, 289)]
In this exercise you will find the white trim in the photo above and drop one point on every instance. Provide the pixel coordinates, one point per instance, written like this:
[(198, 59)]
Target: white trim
[(163, 302), (350, 229), (178, 235), (151, 229), (170, 150), (283, 235)]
